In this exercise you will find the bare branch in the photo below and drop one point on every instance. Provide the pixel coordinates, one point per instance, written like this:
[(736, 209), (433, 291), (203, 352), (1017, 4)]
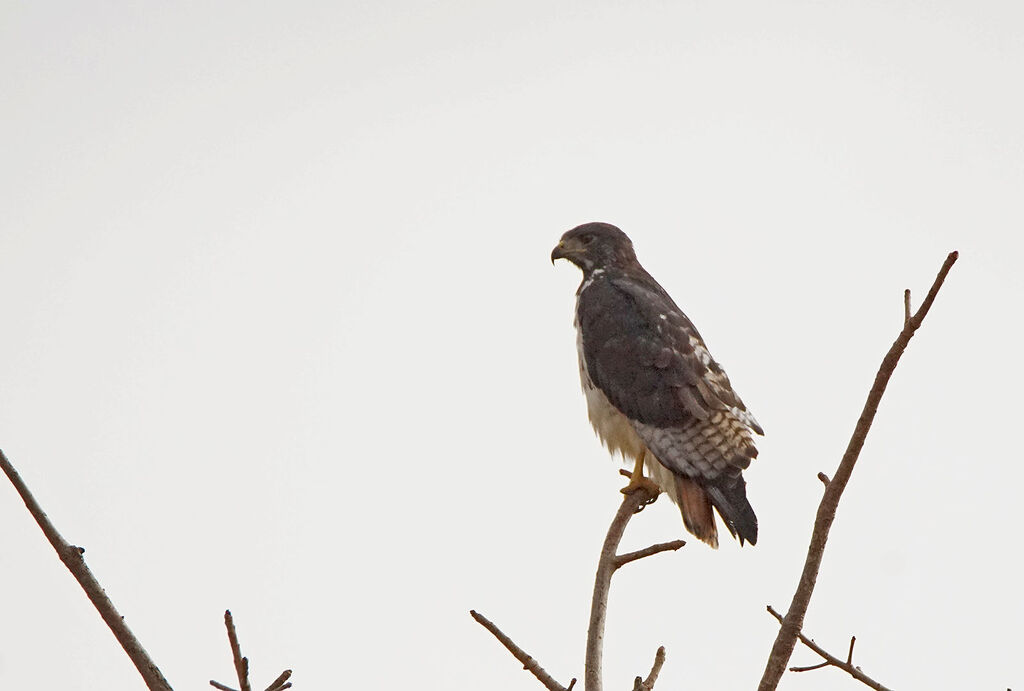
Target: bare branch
[(529, 664), (606, 566), (824, 479), (73, 560), (672, 546), (832, 660), (218, 685), (906, 307), (782, 649), (647, 684)]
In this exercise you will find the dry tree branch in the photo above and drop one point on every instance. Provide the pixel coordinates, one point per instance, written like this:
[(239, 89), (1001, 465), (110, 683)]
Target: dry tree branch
[(73, 560), (242, 664), (782, 649), (832, 660), (672, 546), (609, 563), (529, 664)]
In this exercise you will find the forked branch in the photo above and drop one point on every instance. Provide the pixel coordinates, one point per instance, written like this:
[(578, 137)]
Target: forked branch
[(792, 623), (242, 664), (608, 564), (832, 660)]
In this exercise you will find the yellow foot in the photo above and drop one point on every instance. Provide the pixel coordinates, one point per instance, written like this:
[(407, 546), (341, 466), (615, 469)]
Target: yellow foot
[(637, 479), (638, 482)]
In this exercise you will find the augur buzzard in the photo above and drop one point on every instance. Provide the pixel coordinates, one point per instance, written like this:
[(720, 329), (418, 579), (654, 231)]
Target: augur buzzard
[(654, 393)]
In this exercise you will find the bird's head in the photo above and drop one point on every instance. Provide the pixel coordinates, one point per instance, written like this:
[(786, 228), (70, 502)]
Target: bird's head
[(595, 246)]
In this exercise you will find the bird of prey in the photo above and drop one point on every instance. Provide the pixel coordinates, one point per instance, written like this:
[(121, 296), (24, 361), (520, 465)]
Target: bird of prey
[(653, 391)]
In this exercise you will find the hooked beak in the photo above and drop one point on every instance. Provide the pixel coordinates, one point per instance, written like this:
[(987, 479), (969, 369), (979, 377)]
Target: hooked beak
[(560, 252)]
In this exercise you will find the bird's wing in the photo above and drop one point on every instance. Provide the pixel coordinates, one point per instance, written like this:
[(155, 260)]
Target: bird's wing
[(651, 363)]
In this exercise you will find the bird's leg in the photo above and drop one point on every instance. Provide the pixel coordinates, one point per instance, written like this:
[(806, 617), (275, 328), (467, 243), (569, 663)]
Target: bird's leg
[(637, 479)]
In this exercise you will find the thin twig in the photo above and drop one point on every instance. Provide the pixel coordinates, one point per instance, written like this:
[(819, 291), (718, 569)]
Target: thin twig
[(624, 559), (906, 307), (241, 663), (529, 664), (832, 660), (782, 649), (218, 685), (606, 566), (281, 682), (73, 560)]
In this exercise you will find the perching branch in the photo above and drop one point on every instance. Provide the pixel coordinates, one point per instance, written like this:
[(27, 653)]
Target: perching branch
[(73, 560), (608, 564), (792, 623), (832, 660), (242, 664)]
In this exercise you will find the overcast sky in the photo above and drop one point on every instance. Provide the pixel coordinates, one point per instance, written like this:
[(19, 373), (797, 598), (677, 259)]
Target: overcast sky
[(280, 332)]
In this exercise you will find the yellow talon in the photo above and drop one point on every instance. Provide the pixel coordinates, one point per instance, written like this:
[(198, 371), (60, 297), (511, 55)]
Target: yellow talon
[(638, 481)]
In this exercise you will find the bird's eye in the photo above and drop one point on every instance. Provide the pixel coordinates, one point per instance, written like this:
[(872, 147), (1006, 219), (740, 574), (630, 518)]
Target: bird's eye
[(587, 239)]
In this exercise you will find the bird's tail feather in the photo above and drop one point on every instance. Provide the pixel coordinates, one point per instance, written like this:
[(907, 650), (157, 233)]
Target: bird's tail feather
[(730, 498), (695, 505)]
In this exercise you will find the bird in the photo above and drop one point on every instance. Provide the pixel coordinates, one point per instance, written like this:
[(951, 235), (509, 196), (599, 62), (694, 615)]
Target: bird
[(654, 393)]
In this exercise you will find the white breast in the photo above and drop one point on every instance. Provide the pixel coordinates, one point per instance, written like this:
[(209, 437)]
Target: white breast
[(613, 428)]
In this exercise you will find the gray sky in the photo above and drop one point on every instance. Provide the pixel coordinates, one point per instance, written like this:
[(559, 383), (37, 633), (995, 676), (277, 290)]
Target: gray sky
[(281, 334)]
